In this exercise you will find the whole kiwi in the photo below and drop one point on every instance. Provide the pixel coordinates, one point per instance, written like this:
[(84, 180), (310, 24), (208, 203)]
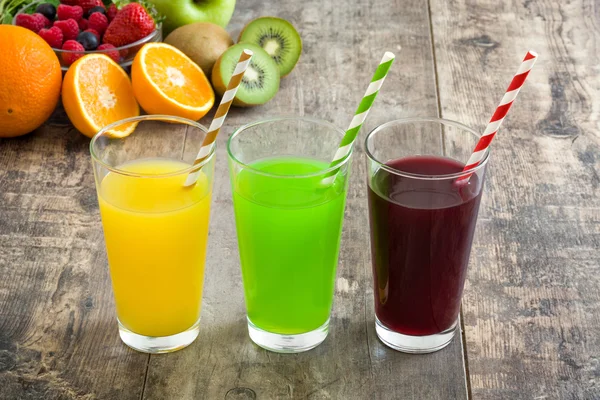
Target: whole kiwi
[(203, 42)]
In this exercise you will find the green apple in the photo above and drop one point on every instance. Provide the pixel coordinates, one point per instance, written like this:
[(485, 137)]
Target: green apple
[(182, 12)]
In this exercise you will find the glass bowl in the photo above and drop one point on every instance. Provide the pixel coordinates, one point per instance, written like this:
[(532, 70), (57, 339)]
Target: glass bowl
[(127, 53)]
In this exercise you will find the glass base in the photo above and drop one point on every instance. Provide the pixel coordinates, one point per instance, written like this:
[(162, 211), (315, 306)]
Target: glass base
[(162, 344), (281, 343), (414, 344)]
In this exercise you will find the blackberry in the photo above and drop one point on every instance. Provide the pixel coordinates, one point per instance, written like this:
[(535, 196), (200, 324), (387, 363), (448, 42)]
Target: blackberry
[(99, 9), (47, 10), (88, 40)]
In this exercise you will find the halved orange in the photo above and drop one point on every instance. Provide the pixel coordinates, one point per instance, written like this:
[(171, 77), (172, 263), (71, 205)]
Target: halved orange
[(166, 81), (97, 92)]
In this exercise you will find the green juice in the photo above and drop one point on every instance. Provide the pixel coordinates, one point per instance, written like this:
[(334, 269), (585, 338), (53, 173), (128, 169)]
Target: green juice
[(289, 229)]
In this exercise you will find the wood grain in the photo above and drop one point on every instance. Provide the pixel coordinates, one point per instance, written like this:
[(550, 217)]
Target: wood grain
[(531, 306), (58, 337)]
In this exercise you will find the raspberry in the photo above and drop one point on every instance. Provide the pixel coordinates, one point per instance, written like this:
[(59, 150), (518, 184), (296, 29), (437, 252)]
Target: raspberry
[(95, 33), (42, 17), (98, 22), (30, 22), (112, 11), (89, 4), (112, 54), (83, 24), (69, 28), (65, 12), (70, 2), (52, 36), (72, 45)]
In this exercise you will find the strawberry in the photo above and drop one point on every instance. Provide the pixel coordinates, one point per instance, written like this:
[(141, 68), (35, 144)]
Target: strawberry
[(131, 24)]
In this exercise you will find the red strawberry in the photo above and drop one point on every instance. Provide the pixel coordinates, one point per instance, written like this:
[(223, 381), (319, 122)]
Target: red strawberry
[(98, 22), (111, 13), (112, 54), (83, 24), (65, 12), (131, 24), (95, 33), (52, 36), (31, 22), (72, 45), (69, 28), (87, 4)]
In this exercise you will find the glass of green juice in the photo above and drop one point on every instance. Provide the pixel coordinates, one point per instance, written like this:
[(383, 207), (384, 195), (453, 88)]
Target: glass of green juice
[(289, 224)]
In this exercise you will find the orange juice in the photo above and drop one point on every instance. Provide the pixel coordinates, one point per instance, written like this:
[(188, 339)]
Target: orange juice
[(156, 231)]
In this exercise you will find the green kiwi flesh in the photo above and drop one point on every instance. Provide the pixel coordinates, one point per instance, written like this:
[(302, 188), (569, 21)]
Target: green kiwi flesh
[(261, 80), (278, 37)]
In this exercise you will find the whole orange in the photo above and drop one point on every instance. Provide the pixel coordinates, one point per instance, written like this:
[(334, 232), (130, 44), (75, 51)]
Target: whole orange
[(30, 80)]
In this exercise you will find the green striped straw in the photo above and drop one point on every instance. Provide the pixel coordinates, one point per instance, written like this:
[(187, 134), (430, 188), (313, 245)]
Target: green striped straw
[(360, 115)]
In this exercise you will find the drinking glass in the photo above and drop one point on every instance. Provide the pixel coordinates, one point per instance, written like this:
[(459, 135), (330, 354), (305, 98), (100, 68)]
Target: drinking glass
[(423, 210), (155, 228), (289, 224)]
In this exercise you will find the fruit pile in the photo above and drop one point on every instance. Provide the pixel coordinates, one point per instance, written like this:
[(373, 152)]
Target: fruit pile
[(84, 25), (179, 77), (274, 41)]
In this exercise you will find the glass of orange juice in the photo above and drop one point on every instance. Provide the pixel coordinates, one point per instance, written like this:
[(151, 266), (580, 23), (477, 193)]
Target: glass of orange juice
[(155, 227)]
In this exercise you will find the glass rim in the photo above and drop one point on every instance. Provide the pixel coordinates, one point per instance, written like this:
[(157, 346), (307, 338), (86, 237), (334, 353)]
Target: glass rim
[(317, 121), (154, 117), (440, 121)]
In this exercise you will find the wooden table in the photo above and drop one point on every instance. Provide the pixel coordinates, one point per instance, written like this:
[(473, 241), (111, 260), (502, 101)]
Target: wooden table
[(531, 311)]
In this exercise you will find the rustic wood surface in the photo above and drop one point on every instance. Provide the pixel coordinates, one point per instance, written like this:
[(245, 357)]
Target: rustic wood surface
[(531, 305)]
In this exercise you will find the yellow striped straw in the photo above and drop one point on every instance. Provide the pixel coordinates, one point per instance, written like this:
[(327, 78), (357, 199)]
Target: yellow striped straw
[(219, 118)]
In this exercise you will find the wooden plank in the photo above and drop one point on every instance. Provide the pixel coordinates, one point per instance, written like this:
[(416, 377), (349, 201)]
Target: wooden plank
[(342, 45), (531, 306), (58, 332)]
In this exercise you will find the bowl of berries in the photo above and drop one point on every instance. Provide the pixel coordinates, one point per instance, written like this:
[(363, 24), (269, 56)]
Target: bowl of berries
[(74, 28)]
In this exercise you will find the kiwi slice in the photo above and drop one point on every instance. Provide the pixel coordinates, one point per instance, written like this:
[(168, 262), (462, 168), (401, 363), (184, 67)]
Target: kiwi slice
[(278, 37), (260, 82)]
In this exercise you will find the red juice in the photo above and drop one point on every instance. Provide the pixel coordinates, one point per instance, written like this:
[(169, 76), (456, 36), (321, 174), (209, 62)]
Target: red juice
[(421, 235)]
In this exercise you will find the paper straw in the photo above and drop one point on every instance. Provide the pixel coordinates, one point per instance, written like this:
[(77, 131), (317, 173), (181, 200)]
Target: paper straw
[(219, 118), (360, 115), (507, 101)]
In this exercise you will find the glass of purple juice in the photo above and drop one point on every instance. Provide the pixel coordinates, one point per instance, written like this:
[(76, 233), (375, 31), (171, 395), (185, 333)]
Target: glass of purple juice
[(422, 210)]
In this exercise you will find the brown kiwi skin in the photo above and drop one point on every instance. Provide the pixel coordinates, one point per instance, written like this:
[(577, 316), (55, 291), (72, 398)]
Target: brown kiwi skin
[(220, 86), (203, 38), (266, 16)]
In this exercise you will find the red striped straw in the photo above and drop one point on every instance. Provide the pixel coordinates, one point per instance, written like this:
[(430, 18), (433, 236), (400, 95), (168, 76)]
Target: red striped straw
[(500, 113), (219, 118)]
